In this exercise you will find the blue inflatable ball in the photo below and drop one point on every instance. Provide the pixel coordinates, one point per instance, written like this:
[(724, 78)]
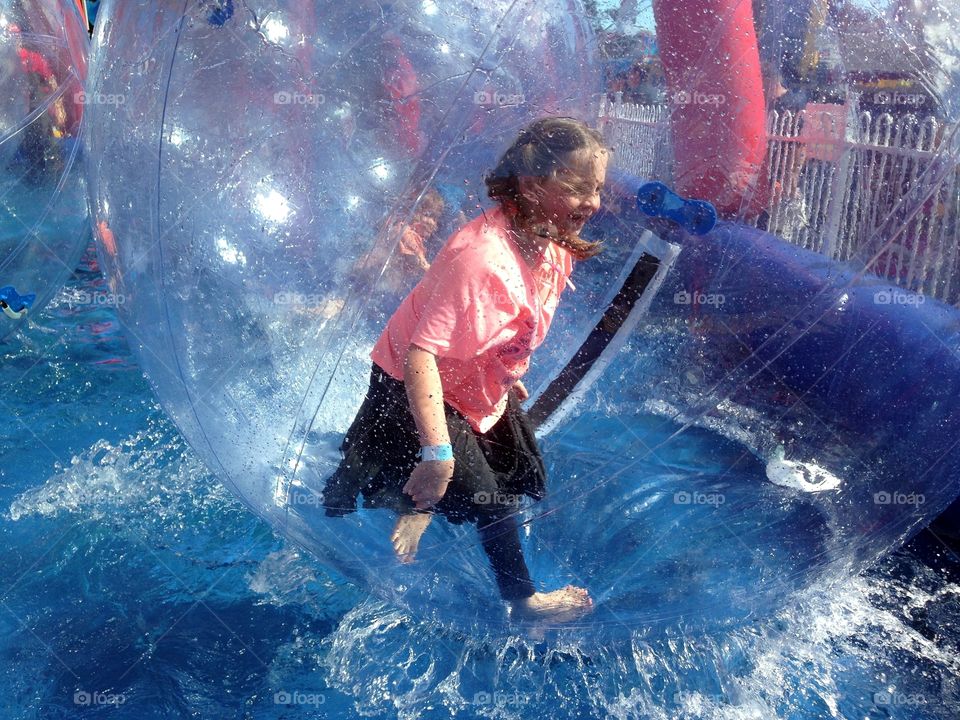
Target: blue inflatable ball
[(43, 217)]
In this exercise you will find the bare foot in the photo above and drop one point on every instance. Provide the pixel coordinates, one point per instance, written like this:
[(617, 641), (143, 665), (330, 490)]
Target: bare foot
[(406, 535), (560, 606)]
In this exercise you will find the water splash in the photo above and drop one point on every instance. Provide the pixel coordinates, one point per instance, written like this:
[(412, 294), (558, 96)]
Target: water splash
[(870, 646), (144, 471), (839, 652)]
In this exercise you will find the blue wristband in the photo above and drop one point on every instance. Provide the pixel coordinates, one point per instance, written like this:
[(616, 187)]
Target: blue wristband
[(430, 453)]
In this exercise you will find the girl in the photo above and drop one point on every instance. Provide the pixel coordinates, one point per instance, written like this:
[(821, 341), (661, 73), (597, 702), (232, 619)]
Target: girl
[(442, 417)]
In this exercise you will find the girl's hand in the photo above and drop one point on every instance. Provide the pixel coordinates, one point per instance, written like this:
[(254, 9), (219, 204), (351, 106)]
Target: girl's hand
[(521, 389), (428, 482)]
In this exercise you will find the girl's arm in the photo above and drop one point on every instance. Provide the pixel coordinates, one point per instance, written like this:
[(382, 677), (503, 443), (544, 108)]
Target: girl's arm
[(428, 481), (425, 394)]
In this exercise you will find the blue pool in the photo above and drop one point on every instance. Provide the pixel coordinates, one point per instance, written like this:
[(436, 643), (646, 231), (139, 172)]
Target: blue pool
[(136, 586)]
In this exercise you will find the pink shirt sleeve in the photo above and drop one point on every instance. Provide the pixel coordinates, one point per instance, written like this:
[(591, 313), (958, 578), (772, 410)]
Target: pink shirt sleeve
[(465, 307)]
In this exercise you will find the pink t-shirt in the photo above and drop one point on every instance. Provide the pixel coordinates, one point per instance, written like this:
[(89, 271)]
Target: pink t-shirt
[(482, 310)]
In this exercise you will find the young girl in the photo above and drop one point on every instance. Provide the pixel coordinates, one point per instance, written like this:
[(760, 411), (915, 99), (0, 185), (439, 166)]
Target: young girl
[(441, 428)]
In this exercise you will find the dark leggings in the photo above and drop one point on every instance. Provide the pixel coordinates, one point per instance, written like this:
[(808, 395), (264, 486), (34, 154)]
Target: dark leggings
[(501, 542), (491, 472)]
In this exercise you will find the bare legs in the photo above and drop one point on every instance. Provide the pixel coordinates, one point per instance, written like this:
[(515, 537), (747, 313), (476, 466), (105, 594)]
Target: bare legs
[(563, 605), (407, 533)]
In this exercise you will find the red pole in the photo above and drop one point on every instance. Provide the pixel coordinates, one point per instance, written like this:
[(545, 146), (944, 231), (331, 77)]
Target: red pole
[(718, 119)]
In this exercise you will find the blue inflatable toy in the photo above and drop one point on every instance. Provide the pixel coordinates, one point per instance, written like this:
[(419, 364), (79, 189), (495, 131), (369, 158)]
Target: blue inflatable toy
[(14, 305), (657, 200)]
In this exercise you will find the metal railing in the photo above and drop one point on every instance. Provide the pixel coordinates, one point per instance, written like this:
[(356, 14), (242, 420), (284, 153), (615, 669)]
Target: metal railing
[(874, 189)]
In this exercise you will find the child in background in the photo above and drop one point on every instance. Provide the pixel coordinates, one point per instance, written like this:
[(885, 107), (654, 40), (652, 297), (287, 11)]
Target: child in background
[(395, 270), (441, 428), (423, 225)]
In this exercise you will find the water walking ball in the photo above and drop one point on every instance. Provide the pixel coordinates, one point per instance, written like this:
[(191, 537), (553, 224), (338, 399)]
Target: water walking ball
[(272, 184), (43, 217)]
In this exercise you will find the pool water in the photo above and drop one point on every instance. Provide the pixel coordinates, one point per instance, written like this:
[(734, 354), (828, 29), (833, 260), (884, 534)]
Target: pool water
[(136, 586)]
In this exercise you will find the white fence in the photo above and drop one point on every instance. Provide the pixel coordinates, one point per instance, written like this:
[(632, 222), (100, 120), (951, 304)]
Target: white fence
[(874, 189)]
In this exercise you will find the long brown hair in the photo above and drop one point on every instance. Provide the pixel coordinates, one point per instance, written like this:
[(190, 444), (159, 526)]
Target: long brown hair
[(541, 151)]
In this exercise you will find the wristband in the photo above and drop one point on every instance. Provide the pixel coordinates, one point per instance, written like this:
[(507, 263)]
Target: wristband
[(431, 453)]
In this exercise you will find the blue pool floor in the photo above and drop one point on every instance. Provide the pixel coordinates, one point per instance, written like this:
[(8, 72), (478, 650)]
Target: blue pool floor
[(136, 586)]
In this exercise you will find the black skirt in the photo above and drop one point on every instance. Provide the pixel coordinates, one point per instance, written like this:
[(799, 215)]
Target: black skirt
[(492, 470)]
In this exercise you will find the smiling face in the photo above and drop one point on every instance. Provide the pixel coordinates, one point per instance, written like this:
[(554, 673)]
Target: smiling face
[(567, 200)]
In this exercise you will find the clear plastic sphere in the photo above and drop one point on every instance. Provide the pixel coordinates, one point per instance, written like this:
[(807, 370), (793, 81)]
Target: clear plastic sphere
[(251, 193), (44, 228)]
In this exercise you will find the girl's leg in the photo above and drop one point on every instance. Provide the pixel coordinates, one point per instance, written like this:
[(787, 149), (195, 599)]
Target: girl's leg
[(501, 540), (511, 450), (475, 495), (500, 535), (340, 494)]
